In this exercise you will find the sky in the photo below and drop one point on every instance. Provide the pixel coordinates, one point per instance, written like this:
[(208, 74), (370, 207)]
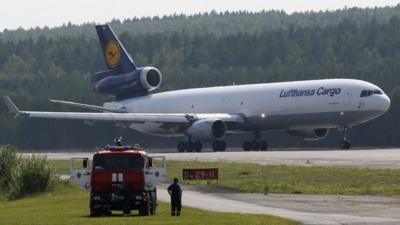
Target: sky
[(51, 13)]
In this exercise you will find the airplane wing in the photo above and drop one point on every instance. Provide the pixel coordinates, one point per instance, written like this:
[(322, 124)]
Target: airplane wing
[(179, 118)]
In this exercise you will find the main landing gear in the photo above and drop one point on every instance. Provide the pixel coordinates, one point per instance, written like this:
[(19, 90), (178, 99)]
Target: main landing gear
[(345, 143), (256, 144), (196, 146), (189, 146), (219, 146)]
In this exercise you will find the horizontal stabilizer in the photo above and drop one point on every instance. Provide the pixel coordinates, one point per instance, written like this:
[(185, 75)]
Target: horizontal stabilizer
[(12, 108)]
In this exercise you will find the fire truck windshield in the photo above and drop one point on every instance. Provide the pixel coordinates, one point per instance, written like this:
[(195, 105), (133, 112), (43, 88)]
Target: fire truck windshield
[(114, 162)]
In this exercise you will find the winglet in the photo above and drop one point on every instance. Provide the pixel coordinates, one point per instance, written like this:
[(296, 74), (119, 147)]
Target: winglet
[(12, 108)]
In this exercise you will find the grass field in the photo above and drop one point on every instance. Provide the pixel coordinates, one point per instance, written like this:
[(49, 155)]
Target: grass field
[(298, 179), (289, 179), (69, 205)]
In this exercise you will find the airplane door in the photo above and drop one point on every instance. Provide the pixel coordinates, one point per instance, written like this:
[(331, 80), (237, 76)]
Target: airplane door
[(347, 97)]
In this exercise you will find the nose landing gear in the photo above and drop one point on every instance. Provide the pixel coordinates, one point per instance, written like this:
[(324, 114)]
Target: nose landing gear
[(345, 143)]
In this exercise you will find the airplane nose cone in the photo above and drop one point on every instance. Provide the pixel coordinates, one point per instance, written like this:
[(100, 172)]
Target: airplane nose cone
[(385, 103)]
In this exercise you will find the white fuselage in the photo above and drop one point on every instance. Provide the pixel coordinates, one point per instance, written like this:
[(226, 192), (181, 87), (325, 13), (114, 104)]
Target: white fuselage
[(271, 106)]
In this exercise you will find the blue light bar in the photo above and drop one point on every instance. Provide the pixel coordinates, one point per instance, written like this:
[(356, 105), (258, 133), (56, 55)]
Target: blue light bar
[(118, 148)]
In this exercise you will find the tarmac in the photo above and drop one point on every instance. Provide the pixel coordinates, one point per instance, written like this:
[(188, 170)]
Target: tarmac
[(370, 158)]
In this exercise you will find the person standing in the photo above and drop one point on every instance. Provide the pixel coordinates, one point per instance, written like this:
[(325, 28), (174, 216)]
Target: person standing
[(175, 191)]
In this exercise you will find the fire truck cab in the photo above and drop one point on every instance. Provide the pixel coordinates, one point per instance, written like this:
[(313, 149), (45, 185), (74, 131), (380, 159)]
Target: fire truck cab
[(120, 178)]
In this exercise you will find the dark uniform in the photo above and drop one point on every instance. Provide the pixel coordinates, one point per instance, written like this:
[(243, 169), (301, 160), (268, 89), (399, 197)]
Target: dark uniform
[(175, 192)]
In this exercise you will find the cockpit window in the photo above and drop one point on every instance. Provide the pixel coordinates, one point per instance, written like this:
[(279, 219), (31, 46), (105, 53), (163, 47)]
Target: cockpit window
[(366, 93)]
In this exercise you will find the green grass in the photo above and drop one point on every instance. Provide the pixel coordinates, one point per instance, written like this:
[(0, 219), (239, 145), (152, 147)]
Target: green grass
[(297, 179), (69, 205), (60, 166), (289, 179)]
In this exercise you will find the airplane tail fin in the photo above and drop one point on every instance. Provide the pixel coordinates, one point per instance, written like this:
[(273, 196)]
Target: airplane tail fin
[(115, 54), (123, 78)]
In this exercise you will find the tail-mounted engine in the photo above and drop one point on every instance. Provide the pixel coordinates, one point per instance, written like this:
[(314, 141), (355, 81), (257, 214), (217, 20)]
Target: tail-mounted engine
[(150, 78), (136, 83)]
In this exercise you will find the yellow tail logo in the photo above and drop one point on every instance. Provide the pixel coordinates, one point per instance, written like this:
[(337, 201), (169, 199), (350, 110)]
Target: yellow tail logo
[(112, 54)]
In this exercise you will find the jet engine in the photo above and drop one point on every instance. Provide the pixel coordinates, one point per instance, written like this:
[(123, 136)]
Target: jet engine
[(207, 129), (310, 134), (150, 78), (132, 84)]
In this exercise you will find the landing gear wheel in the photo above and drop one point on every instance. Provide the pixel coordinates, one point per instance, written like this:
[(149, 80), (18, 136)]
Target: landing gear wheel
[(218, 146), (222, 146), (215, 146), (190, 146), (246, 146), (181, 146), (263, 145), (255, 146), (198, 146), (345, 144)]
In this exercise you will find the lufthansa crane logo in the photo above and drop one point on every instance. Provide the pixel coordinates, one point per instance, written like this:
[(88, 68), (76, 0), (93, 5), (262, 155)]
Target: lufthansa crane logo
[(112, 54)]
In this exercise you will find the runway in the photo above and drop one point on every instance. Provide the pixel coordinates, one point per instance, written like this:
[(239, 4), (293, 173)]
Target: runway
[(378, 158), (371, 158)]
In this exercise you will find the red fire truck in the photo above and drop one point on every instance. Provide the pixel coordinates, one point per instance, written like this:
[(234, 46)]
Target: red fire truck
[(121, 178)]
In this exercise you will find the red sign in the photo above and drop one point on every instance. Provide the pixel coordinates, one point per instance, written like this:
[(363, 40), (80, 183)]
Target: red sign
[(200, 174)]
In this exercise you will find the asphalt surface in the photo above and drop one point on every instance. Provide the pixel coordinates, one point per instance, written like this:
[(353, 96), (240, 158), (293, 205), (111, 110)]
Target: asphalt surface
[(307, 209), (372, 158)]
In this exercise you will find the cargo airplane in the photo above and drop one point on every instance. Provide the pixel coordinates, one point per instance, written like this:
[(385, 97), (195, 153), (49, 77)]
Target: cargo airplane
[(307, 109)]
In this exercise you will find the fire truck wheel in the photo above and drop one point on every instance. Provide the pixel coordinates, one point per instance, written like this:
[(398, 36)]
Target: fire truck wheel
[(94, 213), (153, 203), (145, 208)]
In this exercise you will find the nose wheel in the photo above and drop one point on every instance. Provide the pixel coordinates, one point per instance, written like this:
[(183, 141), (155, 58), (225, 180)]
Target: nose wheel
[(345, 144)]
